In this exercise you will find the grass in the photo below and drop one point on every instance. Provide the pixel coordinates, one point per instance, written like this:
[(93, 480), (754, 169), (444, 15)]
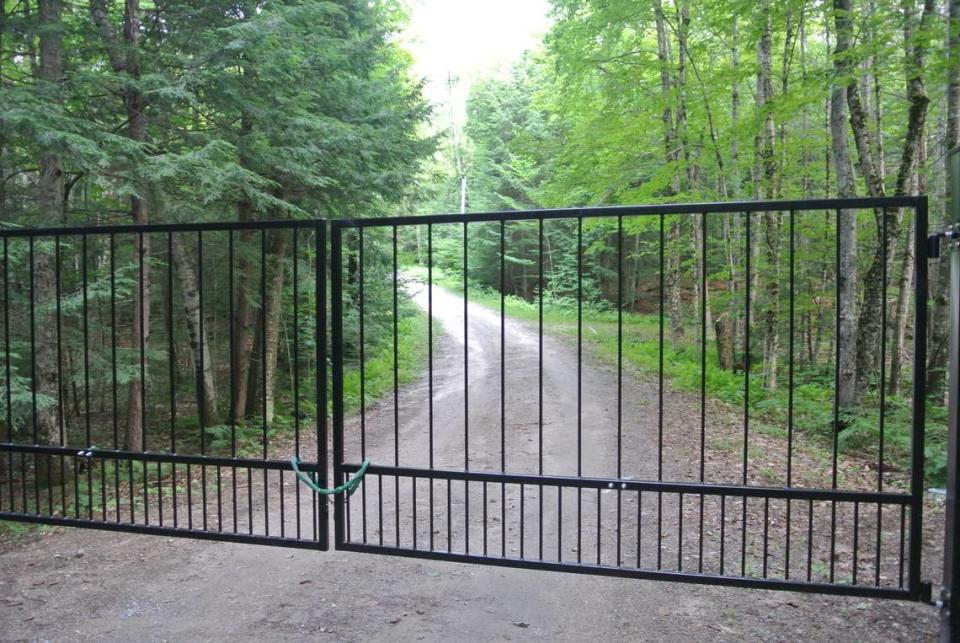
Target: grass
[(378, 370), (812, 396)]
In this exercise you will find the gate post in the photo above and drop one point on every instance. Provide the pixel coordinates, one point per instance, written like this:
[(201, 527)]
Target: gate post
[(950, 594)]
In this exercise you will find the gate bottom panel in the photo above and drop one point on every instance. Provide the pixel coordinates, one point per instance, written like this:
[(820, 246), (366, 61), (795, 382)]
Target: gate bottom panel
[(828, 541), (212, 498)]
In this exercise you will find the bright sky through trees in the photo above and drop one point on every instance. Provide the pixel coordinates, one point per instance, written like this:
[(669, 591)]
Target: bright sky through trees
[(465, 39)]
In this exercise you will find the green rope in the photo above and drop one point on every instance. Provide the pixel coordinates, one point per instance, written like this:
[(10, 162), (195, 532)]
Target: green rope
[(349, 486)]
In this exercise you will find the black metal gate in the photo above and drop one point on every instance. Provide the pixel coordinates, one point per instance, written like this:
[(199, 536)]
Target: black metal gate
[(536, 438), (529, 449), (86, 444)]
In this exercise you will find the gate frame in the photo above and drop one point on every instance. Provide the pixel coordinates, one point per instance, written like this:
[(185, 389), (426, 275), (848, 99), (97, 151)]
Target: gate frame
[(949, 601), (320, 520), (915, 589)]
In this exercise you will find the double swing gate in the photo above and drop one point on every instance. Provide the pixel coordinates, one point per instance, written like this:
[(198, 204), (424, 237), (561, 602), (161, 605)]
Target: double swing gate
[(525, 389)]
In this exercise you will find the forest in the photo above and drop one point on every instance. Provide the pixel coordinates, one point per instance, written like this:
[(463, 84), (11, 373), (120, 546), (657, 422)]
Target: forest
[(186, 113), (182, 112), (652, 102)]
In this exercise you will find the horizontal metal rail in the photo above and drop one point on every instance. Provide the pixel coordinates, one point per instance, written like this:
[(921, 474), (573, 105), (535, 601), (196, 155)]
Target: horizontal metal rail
[(687, 488), (643, 574), (173, 532), (154, 456), (638, 210), (160, 228)]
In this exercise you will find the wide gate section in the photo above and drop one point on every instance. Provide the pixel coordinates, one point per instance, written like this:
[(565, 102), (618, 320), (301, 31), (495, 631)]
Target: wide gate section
[(648, 392), (158, 379)]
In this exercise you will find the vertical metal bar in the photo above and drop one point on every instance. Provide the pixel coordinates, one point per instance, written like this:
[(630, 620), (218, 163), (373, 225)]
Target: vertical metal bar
[(320, 341), (950, 593), (171, 354), (363, 376), (856, 540), (540, 244), (113, 375), (143, 351), (396, 394), (579, 379), (639, 527), (449, 515), (703, 349), (249, 498), (231, 323), (159, 493), (746, 397), (522, 517), (503, 390), (836, 400), (809, 541), (766, 533), (263, 378), (883, 351), (466, 390), (619, 382), (703, 378), (680, 533), (86, 370), (283, 530), (61, 419), (790, 373), (429, 364), (903, 539), (201, 414), (484, 519), (723, 532), (6, 358), (336, 303), (660, 348), (599, 530), (883, 398), (919, 399), (33, 356), (559, 524), (296, 375)]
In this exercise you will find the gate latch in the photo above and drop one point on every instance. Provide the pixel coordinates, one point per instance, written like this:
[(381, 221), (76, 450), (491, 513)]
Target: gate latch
[(350, 486), (952, 232)]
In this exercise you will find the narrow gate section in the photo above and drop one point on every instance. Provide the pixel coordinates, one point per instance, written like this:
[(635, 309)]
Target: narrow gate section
[(647, 392), (159, 378)]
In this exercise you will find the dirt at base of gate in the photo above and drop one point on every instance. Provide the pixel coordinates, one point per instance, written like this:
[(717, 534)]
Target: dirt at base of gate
[(72, 584)]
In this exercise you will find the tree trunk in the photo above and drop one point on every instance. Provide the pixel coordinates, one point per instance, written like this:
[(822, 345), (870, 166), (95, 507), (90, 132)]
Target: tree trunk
[(669, 129), (199, 346), (735, 110), (846, 227), (888, 220), (768, 167), (271, 318), (672, 251), (125, 59), (940, 315), (725, 333), (51, 209), (675, 310), (902, 314)]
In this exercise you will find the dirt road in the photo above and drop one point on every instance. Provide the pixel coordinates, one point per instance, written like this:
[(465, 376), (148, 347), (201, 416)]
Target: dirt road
[(82, 584)]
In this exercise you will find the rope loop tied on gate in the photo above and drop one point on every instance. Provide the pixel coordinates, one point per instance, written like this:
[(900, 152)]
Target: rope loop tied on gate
[(348, 487)]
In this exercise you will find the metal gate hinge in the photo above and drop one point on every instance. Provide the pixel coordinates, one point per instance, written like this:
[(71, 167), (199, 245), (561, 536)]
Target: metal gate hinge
[(926, 593), (952, 233)]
